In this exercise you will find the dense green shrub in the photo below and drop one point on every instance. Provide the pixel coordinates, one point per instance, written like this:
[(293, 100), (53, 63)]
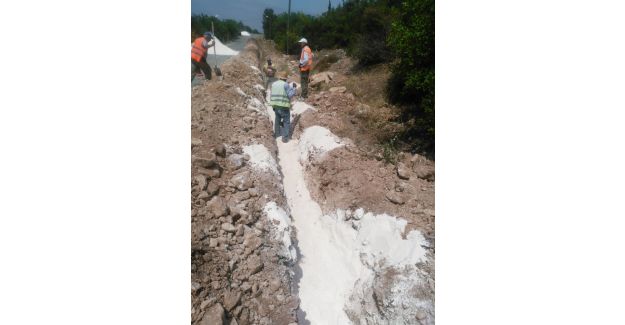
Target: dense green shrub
[(361, 27), (412, 82)]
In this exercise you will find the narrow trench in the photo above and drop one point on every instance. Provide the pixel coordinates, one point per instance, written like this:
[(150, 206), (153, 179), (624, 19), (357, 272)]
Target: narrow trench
[(336, 260), (297, 269), (325, 284)]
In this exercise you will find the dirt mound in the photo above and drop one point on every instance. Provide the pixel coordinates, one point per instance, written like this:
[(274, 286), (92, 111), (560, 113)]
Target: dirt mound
[(240, 274)]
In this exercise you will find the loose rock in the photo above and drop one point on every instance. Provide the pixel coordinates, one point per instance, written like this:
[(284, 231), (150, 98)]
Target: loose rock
[(402, 171), (235, 161), (214, 316), (254, 264), (395, 197), (220, 150), (195, 142), (217, 207), (242, 181), (231, 299), (209, 161), (338, 89), (228, 227)]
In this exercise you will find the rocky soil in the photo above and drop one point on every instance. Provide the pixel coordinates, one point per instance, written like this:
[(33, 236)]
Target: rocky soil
[(240, 272)]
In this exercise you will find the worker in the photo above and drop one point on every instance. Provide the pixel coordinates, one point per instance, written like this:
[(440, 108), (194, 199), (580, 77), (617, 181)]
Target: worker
[(305, 64), (281, 94), (198, 55), (270, 71)]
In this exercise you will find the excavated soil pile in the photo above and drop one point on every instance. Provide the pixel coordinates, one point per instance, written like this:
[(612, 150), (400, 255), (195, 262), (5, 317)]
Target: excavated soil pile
[(241, 258)]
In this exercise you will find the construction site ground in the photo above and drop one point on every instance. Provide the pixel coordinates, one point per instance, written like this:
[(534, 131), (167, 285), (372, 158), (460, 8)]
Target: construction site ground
[(256, 233)]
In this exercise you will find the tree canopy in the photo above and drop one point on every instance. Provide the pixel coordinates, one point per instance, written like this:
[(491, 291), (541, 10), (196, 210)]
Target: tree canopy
[(398, 32), (225, 30)]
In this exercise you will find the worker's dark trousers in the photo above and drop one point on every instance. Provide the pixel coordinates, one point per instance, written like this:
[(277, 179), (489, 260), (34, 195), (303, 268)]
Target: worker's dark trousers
[(304, 80), (283, 116), (202, 65)]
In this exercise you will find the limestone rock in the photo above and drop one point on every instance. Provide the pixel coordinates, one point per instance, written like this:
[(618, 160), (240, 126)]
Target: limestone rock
[(395, 197), (402, 171), (220, 150), (235, 161), (195, 142), (217, 206), (231, 299), (254, 264), (424, 172), (201, 181), (214, 316), (212, 173), (209, 161), (338, 89), (212, 189), (228, 227), (242, 181)]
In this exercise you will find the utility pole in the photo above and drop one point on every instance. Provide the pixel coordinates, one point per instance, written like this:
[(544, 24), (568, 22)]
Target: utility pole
[(287, 28)]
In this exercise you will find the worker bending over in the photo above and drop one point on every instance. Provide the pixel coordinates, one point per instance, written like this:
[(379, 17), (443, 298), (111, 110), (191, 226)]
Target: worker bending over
[(198, 55)]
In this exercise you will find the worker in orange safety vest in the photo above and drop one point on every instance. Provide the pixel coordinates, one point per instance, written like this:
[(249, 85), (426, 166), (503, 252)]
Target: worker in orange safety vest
[(305, 65), (198, 55)]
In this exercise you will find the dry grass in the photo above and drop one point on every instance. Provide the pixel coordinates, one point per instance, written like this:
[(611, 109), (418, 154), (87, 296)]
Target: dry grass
[(369, 87), (325, 61)]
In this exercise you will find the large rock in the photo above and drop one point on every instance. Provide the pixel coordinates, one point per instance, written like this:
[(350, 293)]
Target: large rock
[(251, 242), (395, 197), (228, 227), (323, 77), (208, 161), (242, 181), (235, 161), (212, 189), (217, 207), (231, 299), (214, 315), (195, 142), (201, 181), (254, 264), (212, 173), (402, 171), (220, 150), (338, 89), (424, 172)]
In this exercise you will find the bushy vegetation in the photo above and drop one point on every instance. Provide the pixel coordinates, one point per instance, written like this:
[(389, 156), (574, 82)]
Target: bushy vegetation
[(412, 80), (397, 32), (361, 27), (226, 30)]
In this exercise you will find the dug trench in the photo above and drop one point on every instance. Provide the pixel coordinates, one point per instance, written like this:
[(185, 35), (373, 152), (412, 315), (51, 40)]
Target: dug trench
[(313, 231)]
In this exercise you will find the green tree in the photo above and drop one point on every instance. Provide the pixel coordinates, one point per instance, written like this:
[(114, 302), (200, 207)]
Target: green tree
[(269, 19), (412, 80)]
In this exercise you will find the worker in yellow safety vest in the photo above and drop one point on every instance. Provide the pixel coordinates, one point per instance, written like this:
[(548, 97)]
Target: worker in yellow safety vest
[(198, 55), (281, 94), (305, 65)]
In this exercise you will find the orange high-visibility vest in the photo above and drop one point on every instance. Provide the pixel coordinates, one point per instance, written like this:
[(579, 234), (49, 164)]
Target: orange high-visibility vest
[(198, 51), (308, 65)]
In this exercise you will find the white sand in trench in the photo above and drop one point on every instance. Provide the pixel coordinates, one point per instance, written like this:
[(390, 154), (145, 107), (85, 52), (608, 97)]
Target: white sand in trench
[(334, 255), (329, 266)]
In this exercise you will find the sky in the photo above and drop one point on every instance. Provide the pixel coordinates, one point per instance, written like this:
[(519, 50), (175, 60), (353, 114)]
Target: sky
[(250, 11)]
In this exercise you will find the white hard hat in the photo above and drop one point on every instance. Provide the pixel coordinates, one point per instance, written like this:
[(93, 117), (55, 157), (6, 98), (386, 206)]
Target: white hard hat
[(303, 40)]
